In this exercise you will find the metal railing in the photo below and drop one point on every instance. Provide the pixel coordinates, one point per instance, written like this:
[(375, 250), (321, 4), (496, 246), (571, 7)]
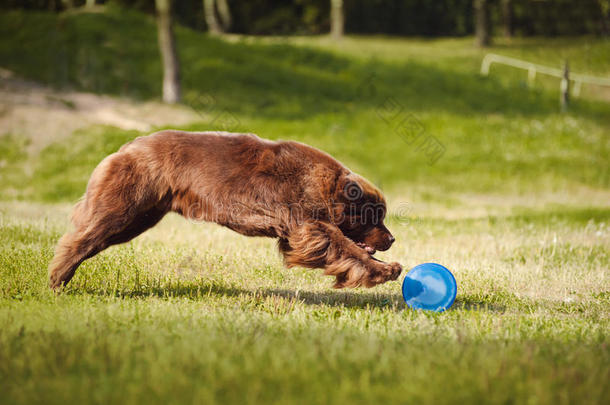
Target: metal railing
[(533, 69)]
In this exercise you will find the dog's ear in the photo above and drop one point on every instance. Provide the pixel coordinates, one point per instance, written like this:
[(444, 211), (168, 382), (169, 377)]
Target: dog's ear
[(321, 182)]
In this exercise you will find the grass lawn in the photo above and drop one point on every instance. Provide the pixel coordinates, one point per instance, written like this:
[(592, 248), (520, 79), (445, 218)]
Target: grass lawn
[(192, 313), (517, 207)]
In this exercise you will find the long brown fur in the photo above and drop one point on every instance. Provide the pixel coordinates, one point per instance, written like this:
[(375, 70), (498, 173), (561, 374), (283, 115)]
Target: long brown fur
[(324, 215)]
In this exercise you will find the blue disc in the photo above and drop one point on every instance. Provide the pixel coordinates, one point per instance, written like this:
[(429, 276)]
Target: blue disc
[(429, 286)]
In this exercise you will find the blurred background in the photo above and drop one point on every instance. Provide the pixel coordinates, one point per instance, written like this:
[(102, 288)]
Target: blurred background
[(391, 87)]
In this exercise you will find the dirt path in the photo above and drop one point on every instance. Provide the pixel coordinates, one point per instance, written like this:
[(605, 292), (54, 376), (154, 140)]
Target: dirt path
[(45, 115)]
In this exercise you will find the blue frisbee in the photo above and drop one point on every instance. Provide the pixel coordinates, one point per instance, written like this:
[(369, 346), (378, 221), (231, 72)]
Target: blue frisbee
[(429, 286)]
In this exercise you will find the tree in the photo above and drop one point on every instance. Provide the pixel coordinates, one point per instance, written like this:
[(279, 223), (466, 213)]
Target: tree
[(482, 22), (507, 18), (214, 26), (167, 48), (225, 14), (337, 19), (209, 11)]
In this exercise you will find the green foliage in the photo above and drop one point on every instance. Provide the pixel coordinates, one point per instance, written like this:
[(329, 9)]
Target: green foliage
[(559, 17), (82, 50), (393, 17)]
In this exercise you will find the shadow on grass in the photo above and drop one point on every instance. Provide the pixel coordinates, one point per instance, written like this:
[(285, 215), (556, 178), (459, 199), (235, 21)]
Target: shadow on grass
[(469, 304), (202, 291), (333, 298), (372, 300), (161, 290)]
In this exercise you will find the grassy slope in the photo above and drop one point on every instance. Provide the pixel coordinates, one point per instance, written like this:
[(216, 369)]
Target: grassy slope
[(194, 313), (499, 136)]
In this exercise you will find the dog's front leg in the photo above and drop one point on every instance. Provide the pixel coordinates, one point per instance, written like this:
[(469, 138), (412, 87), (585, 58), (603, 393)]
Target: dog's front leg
[(323, 245)]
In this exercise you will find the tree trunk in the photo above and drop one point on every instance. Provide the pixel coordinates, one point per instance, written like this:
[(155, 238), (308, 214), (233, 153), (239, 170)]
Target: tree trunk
[(507, 18), (337, 19), (167, 47), (90, 3), (482, 22), (225, 14), (210, 17), (604, 9), (565, 87)]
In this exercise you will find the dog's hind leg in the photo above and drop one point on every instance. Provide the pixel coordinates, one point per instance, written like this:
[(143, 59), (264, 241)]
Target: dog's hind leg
[(72, 249), (119, 205), (323, 245), (75, 247)]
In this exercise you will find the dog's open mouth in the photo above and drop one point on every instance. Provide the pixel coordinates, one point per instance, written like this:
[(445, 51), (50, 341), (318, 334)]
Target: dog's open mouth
[(366, 247)]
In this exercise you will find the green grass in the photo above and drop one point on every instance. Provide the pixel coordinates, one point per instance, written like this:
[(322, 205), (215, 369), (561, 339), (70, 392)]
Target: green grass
[(517, 208), (194, 313)]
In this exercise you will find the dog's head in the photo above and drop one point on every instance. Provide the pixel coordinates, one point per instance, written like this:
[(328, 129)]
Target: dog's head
[(359, 212)]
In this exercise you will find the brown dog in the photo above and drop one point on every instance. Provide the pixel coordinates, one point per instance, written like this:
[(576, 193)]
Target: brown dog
[(324, 215)]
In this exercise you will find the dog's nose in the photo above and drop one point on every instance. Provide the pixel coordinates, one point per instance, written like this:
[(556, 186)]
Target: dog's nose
[(391, 239)]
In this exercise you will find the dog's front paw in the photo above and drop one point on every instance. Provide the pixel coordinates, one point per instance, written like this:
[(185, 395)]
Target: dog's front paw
[(395, 270), (382, 272)]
